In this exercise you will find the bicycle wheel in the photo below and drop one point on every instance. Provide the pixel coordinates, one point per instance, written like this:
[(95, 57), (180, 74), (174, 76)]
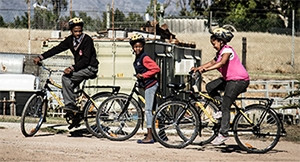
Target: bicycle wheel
[(114, 125), (33, 115), (175, 124), (209, 129), (90, 112), (262, 135)]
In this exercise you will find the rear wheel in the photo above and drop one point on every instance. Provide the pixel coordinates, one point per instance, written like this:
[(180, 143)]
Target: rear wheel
[(260, 136), (175, 124), (114, 125), (33, 115)]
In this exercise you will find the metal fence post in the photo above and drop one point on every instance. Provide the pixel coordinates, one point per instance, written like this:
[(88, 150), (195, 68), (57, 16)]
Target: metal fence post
[(244, 51)]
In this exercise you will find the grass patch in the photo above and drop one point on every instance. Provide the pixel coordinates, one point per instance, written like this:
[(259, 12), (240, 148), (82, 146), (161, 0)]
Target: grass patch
[(293, 133), (17, 119), (13, 119)]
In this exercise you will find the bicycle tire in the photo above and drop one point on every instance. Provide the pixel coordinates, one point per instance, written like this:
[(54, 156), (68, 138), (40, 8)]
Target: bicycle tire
[(117, 128), (177, 134), (33, 115), (90, 112), (209, 130), (257, 138)]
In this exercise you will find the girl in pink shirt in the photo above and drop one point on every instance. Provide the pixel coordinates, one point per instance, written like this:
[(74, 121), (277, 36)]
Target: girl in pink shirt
[(234, 80)]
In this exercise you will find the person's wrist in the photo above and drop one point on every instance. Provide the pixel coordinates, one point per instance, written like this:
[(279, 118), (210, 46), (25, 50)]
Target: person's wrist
[(40, 57), (71, 68)]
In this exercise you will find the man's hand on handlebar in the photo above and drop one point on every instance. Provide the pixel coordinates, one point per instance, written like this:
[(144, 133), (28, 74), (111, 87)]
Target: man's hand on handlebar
[(68, 71), (36, 60)]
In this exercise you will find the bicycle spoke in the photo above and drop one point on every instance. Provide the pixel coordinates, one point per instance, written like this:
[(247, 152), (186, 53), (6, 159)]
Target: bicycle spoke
[(260, 136), (175, 124), (117, 122)]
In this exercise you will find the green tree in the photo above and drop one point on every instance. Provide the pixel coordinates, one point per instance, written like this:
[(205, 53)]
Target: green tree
[(150, 9), (135, 20), (2, 23), (45, 18), (89, 23), (20, 22), (254, 15)]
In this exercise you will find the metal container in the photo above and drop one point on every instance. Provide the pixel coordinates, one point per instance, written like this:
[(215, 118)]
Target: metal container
[(11, 63)]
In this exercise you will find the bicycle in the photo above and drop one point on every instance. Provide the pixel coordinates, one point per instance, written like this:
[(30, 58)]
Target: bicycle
[(119, 117), (35, 110), (256, 127)]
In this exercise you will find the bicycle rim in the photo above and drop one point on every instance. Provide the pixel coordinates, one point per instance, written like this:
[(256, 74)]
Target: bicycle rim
[(257, 138), (175, 124), (33, 115), (118, 127), (91, 111), (208, 130)]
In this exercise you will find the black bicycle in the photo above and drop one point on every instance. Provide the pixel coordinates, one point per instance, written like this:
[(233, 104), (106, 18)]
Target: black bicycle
[(35, 109), (256, 127), (119, 117)]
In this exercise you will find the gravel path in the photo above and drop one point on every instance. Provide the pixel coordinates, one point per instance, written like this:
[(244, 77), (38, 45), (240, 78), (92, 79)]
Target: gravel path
[(80, 146)]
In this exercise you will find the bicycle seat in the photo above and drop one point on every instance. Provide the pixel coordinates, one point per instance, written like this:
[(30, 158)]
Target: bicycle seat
[(176, 86)]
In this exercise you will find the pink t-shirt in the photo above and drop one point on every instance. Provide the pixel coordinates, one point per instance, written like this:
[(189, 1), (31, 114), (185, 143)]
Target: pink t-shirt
[(233, 69)]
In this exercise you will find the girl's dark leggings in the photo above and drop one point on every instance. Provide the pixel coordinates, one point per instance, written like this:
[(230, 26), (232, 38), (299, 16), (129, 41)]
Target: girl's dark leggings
[(231, 90)]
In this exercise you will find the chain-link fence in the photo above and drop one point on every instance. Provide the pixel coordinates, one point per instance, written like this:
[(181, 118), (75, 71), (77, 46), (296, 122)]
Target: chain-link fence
[(274, 51)]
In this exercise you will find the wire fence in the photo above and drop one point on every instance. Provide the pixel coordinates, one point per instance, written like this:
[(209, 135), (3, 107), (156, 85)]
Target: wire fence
[(275, 51)]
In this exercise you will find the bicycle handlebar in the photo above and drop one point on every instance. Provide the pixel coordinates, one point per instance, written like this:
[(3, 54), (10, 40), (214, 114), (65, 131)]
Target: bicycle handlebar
[(48, 69)]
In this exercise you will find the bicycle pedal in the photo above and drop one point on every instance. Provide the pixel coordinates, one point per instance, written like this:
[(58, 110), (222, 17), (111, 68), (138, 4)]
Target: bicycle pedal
[(112, 134)]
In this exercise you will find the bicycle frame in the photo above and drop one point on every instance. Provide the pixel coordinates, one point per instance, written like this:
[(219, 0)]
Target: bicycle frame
[(49, 81)]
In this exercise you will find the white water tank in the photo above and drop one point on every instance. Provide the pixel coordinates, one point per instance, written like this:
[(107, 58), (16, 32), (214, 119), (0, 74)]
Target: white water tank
[(11, 63), (19, 82)]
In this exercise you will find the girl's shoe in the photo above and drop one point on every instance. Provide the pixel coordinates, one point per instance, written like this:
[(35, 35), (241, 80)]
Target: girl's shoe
[(220, 139)]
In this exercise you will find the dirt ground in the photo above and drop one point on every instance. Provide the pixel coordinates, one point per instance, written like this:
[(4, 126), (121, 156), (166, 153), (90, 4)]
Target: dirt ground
[(77, 145)]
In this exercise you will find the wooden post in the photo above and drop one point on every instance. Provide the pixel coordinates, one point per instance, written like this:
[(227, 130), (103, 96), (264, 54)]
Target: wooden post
[(244, 51)]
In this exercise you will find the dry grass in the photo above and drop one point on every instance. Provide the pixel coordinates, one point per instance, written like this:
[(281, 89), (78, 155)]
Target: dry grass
[(268, 55), (16, 40)]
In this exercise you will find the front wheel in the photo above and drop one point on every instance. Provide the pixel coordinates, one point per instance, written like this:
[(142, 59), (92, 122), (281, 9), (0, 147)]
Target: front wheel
[(90, 112), (119, 118), (261, 134), (209, 129), (33, 115), (175, 124)]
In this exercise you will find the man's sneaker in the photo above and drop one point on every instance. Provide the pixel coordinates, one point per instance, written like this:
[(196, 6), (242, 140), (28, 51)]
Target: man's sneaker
[(220, 139), (217, 115)]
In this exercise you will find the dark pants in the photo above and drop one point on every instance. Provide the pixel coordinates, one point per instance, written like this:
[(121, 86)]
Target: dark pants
[(70, 82), (231, 90)]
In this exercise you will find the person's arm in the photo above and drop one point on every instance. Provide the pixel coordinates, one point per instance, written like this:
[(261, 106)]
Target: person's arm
[(203, 66), (62, 46), (152, 67), (216, 65)]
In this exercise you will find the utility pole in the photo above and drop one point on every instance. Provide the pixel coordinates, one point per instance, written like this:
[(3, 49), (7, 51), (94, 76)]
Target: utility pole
[(29, 27), (114, 46), (154, 19), (70, 9), (293, 37)]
